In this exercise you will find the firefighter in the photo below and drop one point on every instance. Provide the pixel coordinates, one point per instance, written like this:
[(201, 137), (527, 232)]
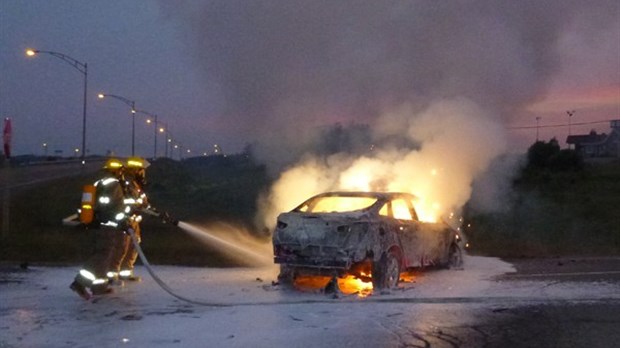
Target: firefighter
[(108, 220), (124, 260)]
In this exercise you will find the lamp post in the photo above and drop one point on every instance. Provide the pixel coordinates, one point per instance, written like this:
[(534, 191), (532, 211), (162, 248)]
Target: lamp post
[(570, 114), (156, 129), (168, 142), (82, 68), (132, 104)]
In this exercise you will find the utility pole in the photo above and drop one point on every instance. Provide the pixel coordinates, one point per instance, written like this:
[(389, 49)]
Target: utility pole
[(570, 114), (537, 125), (6, 200)]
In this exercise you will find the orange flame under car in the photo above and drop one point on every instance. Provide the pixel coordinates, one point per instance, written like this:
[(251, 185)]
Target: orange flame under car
[(348, 285)]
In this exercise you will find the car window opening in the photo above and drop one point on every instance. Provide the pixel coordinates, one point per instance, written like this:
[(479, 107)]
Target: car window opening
[(337, 204)]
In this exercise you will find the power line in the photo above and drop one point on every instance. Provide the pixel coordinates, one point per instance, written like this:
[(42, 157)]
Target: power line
[(560, 125)]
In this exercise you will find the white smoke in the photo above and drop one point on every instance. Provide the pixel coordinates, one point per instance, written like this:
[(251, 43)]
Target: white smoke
[(458, 139), (434, 80)]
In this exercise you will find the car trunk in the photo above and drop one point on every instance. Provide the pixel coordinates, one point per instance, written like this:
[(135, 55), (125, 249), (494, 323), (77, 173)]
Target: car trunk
[(319, 239)]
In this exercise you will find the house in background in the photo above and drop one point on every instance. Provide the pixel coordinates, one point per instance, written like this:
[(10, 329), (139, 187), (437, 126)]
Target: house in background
[(598, 145)]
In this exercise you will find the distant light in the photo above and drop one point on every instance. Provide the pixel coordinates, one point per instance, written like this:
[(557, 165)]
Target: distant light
[(133, 111), (125, 340), (148, 121), (76, 150), (30, 52), (100, 95), (161, 130)]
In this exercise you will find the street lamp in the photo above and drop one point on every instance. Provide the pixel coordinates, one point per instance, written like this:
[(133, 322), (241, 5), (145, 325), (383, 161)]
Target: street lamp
[(81, 67), (168, 135), (168, 143), (133, 118), (155, 128)]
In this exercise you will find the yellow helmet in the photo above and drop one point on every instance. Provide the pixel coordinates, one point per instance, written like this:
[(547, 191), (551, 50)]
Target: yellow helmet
[(136, 169), (113, 165), (137, 163)]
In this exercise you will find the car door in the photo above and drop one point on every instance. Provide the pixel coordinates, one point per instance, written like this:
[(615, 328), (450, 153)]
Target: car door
[(402, 215)]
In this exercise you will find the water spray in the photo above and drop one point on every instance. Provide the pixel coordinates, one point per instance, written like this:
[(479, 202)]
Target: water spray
[(237, 251)]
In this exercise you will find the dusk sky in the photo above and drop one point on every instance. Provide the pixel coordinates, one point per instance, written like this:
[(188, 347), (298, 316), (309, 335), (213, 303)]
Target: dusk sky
[(237, 72)]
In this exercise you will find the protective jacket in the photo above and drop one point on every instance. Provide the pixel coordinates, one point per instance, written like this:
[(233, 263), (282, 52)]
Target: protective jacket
[(125, 252), (113, 214), (109, 207)]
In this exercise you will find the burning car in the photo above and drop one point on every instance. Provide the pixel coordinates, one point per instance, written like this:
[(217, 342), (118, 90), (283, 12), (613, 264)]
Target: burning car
[(370, 235)]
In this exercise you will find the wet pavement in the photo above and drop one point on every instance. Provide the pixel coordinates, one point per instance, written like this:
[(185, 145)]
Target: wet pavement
[(491, 303)]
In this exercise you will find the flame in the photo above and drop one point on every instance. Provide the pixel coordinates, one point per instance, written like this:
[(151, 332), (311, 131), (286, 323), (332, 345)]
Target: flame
[(407, 277), (369, 174), (440, 172), (348, 285), (352, 285), (311, 282), (341, 204)]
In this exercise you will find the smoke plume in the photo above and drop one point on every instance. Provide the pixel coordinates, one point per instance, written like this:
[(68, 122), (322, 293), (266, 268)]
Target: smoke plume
[(434, 82)]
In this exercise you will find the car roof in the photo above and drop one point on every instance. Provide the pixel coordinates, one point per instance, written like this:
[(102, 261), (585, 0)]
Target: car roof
[(375, 194), (365, 194), (381, 197)]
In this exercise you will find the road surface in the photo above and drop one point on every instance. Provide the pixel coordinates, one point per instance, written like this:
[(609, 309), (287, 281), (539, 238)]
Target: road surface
[(491, 303), (19, 177)]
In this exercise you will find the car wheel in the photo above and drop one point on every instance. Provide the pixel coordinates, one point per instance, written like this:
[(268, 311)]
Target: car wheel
[(386, 272), (287, 275), (455, 257)]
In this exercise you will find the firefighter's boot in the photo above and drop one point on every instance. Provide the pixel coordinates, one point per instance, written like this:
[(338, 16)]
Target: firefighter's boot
[(101, 289), (80, 290), (129, 276), (114, 279)]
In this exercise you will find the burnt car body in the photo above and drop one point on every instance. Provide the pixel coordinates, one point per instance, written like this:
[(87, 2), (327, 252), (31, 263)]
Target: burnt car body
[(371, 235)]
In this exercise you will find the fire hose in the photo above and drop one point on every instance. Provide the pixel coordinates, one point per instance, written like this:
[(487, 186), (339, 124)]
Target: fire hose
[(166, 218), (160, 282), (167, 289)]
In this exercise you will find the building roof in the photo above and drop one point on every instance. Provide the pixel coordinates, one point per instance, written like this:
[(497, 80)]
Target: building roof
[(591, 138)]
